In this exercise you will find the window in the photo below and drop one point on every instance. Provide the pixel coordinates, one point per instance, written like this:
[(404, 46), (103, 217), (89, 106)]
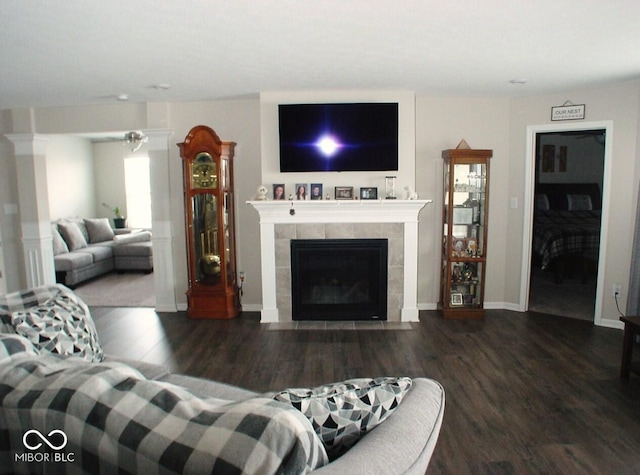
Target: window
[(138, 189)]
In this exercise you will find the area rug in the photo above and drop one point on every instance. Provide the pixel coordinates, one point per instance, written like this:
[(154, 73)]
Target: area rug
[(129, 289)]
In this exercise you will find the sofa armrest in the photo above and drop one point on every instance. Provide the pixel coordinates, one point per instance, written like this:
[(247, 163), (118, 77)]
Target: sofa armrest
[(404, 443)]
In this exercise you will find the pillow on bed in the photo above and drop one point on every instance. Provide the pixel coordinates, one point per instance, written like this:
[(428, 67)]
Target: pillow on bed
[(542, 201), (579, 202)]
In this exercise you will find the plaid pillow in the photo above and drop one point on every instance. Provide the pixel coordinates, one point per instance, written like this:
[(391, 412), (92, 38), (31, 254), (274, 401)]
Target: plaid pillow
[(12, 345), (342, 412), (116, 421)]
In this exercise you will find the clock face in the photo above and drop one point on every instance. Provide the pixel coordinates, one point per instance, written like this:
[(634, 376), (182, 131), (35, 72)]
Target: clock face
[(203, 172)]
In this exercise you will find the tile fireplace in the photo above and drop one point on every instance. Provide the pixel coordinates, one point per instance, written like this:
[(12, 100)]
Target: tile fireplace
[(395, 221)]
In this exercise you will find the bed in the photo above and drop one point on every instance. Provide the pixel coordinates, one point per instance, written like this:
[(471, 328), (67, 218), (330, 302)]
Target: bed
[(566, 225)]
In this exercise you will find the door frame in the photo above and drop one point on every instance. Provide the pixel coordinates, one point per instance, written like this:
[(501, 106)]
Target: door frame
[(528, 202)]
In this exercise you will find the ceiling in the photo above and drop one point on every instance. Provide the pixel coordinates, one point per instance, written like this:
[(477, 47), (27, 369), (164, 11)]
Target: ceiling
[(74, 52)]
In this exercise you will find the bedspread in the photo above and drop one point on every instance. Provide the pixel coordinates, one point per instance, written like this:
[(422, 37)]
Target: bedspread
[(558, 233)]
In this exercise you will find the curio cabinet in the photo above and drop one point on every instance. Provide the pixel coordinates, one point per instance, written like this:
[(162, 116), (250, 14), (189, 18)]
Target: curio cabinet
[(464, 241)]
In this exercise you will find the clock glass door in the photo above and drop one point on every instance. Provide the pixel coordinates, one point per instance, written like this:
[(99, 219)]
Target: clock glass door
[(206, 238)]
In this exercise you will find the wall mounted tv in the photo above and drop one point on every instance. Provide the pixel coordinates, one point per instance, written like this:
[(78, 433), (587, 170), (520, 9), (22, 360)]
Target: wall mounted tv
[(338, 137)]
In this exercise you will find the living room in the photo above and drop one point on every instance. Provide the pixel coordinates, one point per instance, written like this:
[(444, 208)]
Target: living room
[(496, 123), (526, 392)]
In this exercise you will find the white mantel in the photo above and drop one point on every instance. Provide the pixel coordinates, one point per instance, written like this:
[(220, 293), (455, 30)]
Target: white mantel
[(339, 211)]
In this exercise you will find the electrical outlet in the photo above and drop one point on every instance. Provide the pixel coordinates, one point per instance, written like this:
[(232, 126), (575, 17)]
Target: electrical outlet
[(617, 289)]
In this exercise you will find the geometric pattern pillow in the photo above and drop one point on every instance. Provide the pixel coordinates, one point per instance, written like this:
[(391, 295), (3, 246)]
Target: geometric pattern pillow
[(342, 412), (60, 326)]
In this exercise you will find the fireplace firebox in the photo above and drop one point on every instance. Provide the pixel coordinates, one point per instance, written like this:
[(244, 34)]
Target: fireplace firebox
[(339, 279)]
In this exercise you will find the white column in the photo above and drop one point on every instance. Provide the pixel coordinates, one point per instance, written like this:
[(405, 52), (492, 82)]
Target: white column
[(33, 198), (268, 259), (161, 225), (410, 305)]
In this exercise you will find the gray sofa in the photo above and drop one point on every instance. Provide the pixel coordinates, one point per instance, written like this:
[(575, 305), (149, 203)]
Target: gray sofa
[(117, 415), (86, 248)]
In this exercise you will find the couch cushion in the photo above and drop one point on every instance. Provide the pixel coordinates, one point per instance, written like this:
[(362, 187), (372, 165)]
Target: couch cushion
[(132, 237), (118, 422), (59, 246), (342, 412), (143, 249), (62, 326), (72, 260), (72, 235), (99, 252), (99, 229)]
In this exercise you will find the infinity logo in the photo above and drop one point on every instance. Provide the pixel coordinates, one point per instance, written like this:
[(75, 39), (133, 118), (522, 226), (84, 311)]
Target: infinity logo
[(44, 439)]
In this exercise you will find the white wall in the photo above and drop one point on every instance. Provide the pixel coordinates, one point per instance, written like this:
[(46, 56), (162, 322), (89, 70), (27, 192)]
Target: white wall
[(270, 153), (584, 160), (237, 121), (70, 177), (441, 122), (619, 104), (108, 160)]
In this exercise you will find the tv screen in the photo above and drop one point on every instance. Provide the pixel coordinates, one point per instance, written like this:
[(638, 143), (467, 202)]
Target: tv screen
[(338, 137)]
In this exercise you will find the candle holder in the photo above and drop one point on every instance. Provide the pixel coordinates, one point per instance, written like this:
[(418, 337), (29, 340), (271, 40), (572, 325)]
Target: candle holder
[(390, 188)]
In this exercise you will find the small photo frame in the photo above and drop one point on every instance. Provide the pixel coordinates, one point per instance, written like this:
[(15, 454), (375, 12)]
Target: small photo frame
[(278, 191), (369, 193), (462, 215), (316, 191), (458, 247), (456, 299), (344, 192), (301, 191)]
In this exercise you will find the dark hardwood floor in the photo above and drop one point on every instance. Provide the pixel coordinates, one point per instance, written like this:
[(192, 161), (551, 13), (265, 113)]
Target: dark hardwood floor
[(526, 392)]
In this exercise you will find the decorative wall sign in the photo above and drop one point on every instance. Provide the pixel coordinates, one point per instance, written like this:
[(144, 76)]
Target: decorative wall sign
[(568, 111)]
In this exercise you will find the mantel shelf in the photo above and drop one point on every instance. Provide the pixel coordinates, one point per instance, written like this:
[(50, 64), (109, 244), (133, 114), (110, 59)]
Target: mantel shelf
[(339, 211)]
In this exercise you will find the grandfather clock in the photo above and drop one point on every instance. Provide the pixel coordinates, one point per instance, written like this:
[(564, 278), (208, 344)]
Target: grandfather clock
[(207, 164)]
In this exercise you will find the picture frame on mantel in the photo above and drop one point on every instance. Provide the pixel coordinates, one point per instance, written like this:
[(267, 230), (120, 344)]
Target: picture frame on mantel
[(369, 193), (344, 192), (316, 191)]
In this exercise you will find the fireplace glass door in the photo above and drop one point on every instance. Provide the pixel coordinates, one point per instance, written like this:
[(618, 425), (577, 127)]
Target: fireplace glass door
[(339, 279)]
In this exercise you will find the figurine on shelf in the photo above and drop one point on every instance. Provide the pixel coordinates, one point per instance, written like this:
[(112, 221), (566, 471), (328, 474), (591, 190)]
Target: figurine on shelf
[(261, 193), (411, 195)]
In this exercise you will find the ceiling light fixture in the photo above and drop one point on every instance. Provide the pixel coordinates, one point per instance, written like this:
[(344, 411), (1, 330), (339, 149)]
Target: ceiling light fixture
[(122, 97), (134, 140), (519, 81), (161, 86)]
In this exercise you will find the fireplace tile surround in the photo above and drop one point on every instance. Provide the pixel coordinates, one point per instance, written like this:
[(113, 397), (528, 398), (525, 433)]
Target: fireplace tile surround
[(393, 232), (395, 220)]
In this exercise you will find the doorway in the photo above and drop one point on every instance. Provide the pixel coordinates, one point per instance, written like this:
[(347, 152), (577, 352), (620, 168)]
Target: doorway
[(564, 160)]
